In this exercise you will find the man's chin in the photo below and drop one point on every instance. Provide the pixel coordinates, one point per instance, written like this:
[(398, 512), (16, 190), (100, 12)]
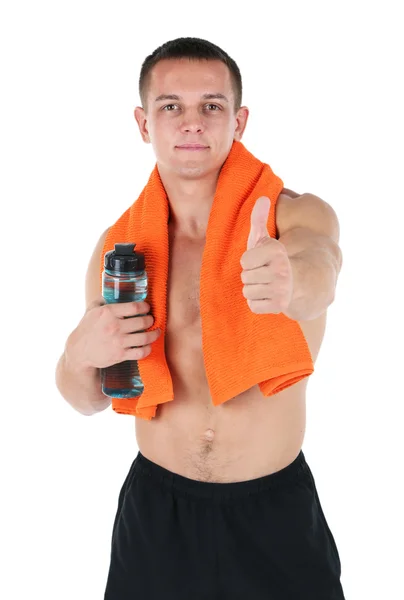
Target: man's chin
[(191, 171)]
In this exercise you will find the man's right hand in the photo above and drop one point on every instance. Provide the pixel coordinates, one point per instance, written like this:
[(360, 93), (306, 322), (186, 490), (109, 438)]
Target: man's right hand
[(105, 335)]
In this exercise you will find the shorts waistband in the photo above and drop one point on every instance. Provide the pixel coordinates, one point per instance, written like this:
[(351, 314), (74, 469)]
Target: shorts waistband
[(217, 490)]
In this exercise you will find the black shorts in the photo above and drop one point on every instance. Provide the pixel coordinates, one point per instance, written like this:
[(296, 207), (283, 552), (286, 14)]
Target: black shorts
[(176, 538)]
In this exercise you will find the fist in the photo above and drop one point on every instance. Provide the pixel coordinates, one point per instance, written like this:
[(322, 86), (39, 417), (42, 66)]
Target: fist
[(267, 272)]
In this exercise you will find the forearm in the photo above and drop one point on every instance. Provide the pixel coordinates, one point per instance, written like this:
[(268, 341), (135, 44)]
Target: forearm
[(316, 261), (79, 385)]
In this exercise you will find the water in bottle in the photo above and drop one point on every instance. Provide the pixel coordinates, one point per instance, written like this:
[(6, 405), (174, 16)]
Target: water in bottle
[(124, 279)]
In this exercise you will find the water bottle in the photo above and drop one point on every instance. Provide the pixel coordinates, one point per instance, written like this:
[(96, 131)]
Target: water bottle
[(124, 279)]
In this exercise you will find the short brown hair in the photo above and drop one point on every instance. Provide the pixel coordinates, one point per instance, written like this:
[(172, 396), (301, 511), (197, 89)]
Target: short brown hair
[(192, 48)]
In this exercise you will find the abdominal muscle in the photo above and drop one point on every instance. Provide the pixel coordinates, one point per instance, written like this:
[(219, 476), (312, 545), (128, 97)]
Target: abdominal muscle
[(246, 437)]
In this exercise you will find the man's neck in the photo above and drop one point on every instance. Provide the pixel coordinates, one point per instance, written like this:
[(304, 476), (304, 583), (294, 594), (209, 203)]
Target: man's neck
[(190, 202)]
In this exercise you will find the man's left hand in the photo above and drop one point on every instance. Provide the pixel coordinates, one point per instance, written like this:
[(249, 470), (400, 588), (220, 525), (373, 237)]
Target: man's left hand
[(267, 272)]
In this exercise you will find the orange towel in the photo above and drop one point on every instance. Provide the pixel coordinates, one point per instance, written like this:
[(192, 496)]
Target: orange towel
[(240, 348)]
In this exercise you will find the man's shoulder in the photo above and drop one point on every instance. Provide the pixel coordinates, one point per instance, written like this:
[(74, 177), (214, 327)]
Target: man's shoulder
[(284, 205), (289, 193)]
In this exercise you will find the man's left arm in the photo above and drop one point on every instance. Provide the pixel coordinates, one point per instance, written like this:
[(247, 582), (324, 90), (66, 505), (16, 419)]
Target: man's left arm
[(309, 230), (295, 274)]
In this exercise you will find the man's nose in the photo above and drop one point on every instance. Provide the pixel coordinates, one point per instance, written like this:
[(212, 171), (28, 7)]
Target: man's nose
[(193, 128), (192, 123)]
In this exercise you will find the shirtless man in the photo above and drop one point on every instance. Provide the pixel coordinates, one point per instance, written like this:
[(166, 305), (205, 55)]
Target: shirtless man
[(197, 516)]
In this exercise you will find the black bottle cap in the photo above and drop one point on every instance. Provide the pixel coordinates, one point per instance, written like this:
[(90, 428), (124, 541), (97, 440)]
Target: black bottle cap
[(124, 259)]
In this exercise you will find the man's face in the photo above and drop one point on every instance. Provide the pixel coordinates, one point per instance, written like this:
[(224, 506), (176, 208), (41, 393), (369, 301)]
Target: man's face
[(192, 117)]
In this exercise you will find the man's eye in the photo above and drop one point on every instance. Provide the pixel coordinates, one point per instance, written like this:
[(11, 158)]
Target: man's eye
[(170, 105)]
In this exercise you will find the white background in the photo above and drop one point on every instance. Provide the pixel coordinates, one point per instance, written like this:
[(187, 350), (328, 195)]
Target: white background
[(322, 81)]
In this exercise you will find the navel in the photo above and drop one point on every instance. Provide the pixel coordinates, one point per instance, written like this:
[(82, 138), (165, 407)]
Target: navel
[(209, 434)]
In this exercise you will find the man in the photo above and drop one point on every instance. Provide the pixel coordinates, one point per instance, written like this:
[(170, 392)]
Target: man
[(220, 501)]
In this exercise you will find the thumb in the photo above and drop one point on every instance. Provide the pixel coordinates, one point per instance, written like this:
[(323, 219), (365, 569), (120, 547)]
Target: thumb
[(259, 218)]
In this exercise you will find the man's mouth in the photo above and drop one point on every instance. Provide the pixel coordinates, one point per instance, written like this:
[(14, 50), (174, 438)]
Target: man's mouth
[(192, 147)]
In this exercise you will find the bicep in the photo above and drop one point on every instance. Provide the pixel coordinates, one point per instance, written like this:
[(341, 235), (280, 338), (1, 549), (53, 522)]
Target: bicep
[(92, 283)]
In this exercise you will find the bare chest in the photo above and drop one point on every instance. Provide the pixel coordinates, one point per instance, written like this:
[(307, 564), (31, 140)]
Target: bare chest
[(183, 335), (191, 436), (183, 289)]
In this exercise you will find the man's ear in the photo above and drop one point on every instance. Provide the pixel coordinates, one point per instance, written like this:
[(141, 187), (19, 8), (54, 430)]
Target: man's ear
[(141, 119), (241, 118)]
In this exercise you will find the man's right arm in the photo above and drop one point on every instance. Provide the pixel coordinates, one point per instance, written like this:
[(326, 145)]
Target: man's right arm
[(78, 383)]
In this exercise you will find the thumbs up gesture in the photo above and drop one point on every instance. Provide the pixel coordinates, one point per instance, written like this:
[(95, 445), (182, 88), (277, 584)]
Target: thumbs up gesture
[(267, 272)]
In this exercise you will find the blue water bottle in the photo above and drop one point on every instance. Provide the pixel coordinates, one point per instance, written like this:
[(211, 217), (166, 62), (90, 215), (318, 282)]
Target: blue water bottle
[(124, 279)]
